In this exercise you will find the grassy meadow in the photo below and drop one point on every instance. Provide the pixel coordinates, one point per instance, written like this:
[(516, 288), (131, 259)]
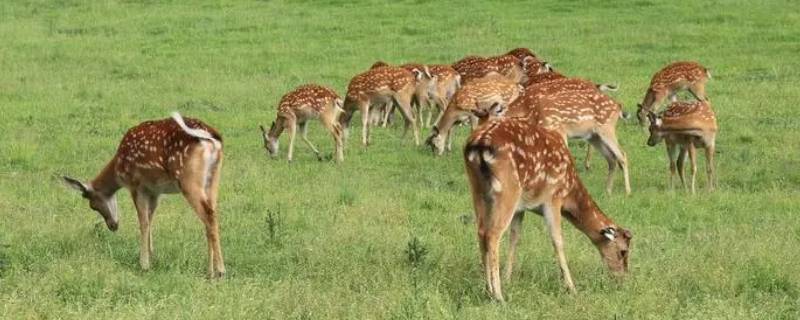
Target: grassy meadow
[(386, 234)]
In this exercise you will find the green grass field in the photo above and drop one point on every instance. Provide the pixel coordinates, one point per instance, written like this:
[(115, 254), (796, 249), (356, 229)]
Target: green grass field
[(382, 235)]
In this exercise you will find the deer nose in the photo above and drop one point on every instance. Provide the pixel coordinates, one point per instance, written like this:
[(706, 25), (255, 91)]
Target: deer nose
[(113, 226)]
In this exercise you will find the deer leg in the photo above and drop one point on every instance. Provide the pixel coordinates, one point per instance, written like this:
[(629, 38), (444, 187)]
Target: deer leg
[(610, 159), (197, 199), (213, 191), (304, 132), (199, 184), (552, 215), (142, 203), (587, 162), (681, 162), (405, 108), (710, 168), (449, 139), (698, 90), (152, 204), (513, 240), (336, 133), (693, 159), (292, 124), (609, 138), (364, 107), (671, 154), (495, 224)]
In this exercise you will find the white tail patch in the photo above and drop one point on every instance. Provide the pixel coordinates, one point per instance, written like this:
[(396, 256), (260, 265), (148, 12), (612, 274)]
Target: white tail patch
[(488, 157), (198, 133), (496, 186), (606, 87), (472, 156)]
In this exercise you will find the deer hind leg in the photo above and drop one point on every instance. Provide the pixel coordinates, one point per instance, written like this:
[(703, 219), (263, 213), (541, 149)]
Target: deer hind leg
[(292, 126), (711, 175), (199, 184), (587, 162), (336, 132), (681, 162), (364, 108), (698, 90), (404, 102), (513, 240), (142, 202), (609, 138), (693, 159), (552, 216), (304, 133), (495, 223)]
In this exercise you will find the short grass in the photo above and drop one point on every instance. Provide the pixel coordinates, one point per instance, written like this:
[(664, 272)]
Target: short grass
[(382, 235)]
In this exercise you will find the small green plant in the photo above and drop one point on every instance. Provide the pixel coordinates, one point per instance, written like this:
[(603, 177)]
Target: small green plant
[(416, 252), (274, 221)]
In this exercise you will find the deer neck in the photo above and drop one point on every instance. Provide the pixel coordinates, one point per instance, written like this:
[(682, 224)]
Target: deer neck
[(585, 214), (106, 182), (446, 122)]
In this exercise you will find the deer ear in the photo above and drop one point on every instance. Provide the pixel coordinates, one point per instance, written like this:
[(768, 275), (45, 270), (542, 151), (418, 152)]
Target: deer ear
[(527, 61), (427, 72), (627, 234), (262, 129), (480, 113), (609, 233), (272, 126), (77, 185), (417, 74), (496, 109)]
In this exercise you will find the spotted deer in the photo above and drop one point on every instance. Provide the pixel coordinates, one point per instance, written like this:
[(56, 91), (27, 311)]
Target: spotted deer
[(448, 81), (685, 126), (307, 102), (160, 157), (589, 115), (522, 53), (670, 80), (476, 96), (472, 68), (378, 87), (425, 84), (513, 166)]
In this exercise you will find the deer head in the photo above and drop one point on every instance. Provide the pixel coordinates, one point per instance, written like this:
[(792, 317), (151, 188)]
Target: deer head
[(614, 246), (271, 139), (655, 128), (105, 205)]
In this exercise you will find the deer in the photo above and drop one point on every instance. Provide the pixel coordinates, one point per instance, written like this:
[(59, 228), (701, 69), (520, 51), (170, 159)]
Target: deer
[(588, 114), (160, 157), (425, 85), (378, 87), (667, 82), (472, 67), (685, 126), (493, 91), (522, 53), (296, 108), (513, 166), (448, 81)]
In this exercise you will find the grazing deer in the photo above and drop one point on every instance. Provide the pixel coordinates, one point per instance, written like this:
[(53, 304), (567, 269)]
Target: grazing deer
[(472, 68), (685, 126), (378, 87), (304, 103), (424, 86), (448, 81), (668, 81), (476, 96), (589, 115), (158, 157), (514, 165)]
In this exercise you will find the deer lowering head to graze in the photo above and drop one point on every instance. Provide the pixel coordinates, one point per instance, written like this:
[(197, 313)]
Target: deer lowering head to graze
[(378, 87), (685, 126), (513, 166), (305, 103), (585, 114), (476, 96), (158, 157), (472, 68), (670, 80), (448, 81)]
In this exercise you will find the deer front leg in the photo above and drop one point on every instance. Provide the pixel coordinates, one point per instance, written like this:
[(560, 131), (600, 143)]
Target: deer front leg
[(552, 216), (693, 159), (682, 154), (292, 124), (710, 168), (513, 240), (364, 106), (587, 162), (304, 132), (671, 154), (404, 103), (152, 203), (142, 203)]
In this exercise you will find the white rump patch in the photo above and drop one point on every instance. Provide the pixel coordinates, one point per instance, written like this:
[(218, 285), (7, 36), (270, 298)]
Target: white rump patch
[(488, 157)]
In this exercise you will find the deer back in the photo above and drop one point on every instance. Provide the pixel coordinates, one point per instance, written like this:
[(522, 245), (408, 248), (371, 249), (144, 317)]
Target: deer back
[(678, 74), (382, 80)]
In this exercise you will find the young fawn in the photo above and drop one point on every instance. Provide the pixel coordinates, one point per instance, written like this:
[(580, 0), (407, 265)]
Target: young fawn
[(670, 80), (448, 81), (685, 126), (477, 95), (378, 87), (159, 157), (305, 103), (513, 166)]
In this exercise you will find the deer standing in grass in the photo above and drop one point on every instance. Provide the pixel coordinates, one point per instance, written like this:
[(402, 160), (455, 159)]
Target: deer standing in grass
[(305, 103), (421, 100), (476, 96), (588, 114), (670, 80), (513, 166), (472, 68), (158, 157), (685, 126), (377, 87), (448, 81)]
